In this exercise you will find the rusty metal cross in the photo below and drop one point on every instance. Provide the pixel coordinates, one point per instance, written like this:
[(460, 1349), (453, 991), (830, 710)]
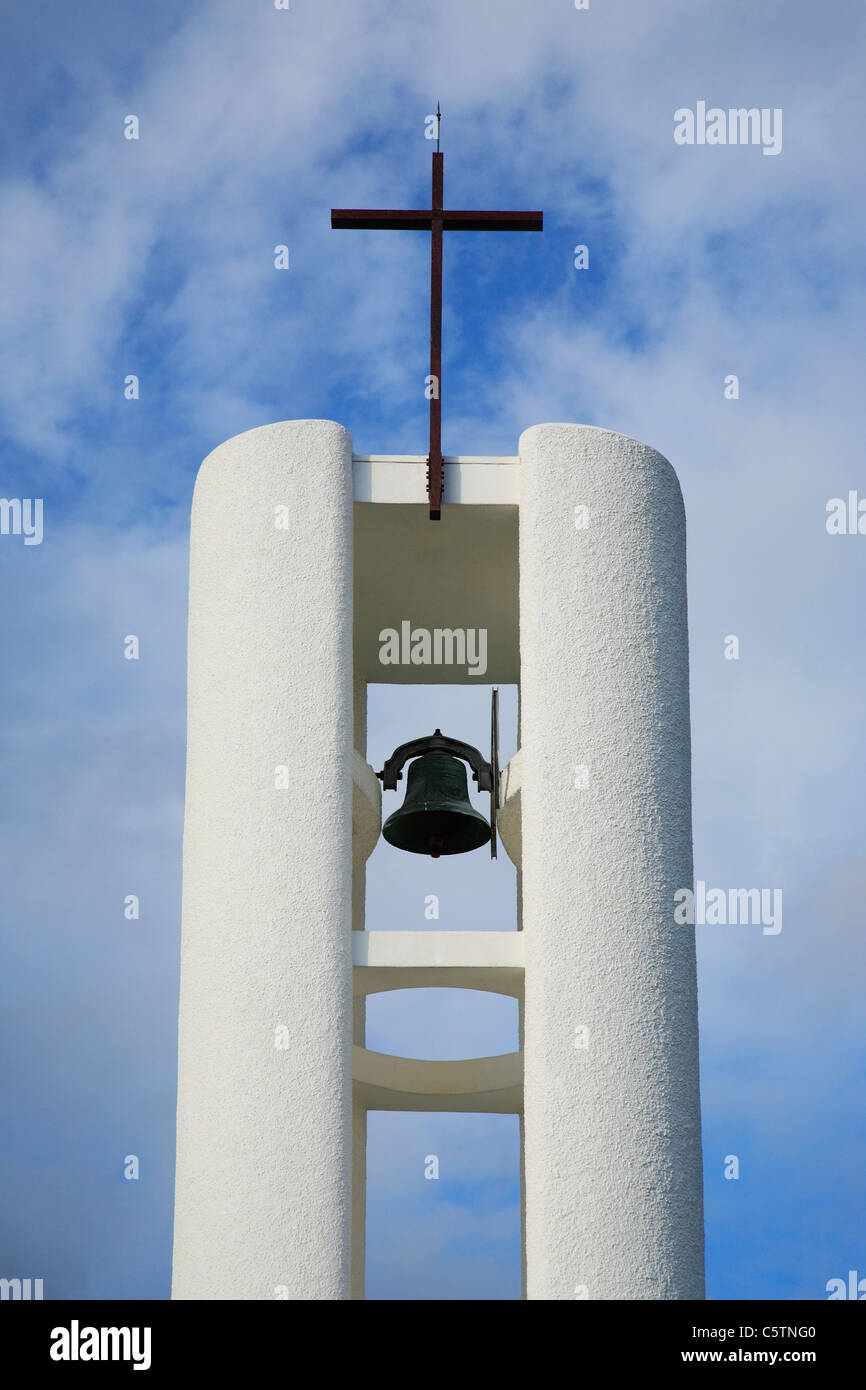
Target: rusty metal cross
[(436, 220)]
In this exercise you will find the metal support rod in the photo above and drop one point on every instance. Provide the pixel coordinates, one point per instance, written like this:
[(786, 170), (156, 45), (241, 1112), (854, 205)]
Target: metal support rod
[(494, 769), (434, 461)]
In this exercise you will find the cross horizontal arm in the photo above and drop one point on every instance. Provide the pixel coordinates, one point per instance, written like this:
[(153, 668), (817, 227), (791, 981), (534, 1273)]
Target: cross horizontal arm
[(492, 221), (403, 220), (421, 219)]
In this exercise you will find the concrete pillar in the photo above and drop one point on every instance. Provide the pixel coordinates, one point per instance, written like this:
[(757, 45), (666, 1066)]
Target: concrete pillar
[(612, 1115), (263, 1187), (359, 1027)]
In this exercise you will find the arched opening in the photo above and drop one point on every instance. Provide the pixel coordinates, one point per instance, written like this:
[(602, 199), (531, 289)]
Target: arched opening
[(445, 1024)]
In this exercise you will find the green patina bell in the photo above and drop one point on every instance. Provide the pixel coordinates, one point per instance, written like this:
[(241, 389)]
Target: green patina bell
[(437, 816)]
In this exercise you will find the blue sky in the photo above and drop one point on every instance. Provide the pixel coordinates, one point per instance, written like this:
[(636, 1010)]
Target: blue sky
[(155, 257)]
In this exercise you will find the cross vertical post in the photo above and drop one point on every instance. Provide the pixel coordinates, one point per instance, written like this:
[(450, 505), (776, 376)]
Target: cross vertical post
[(434, 460)]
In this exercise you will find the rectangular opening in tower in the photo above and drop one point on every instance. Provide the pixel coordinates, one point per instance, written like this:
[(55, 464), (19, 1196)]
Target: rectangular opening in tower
[(407, 891), (443, 1206)]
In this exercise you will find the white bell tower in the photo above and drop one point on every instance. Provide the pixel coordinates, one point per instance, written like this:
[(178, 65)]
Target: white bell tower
[(572, 556)]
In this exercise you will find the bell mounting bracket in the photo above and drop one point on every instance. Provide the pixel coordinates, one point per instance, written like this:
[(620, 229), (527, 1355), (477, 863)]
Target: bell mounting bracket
[(438, 742)]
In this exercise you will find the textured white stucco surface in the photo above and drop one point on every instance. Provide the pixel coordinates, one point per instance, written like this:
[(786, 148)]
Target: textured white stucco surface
[(263, 1188), (612, 1127)]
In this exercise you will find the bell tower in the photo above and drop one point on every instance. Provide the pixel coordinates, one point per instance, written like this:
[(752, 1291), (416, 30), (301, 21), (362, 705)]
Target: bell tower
[(570, 560), (571, 556)]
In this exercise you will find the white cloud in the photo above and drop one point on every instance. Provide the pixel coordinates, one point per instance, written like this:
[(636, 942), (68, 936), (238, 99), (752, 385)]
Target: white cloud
[(155, 256)]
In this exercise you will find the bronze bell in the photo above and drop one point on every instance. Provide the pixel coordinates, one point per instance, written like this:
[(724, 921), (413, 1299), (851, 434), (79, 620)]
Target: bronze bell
[(437, 816)]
